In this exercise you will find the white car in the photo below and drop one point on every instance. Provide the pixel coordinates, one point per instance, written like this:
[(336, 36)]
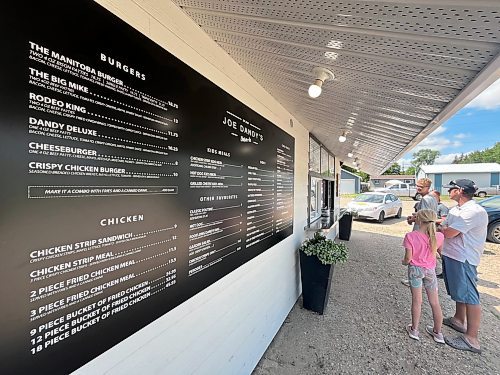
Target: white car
[(376, 205)]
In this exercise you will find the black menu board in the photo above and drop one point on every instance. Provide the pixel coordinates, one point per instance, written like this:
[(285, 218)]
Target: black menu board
[(129, 183)]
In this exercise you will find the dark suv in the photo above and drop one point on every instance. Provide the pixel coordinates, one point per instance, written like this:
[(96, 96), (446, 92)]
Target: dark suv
[(492, 207)]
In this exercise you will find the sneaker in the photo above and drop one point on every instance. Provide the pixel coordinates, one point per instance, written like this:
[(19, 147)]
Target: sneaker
[(438, 337), (405, 282), (412, 332)]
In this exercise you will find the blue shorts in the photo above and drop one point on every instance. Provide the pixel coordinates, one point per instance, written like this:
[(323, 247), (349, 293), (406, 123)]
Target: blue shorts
[(461, 281)]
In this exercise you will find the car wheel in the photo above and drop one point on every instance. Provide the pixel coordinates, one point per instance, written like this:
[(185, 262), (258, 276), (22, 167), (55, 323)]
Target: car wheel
[(494, 232), (481, 194), (417, 197), (381, 217), (400, 211)]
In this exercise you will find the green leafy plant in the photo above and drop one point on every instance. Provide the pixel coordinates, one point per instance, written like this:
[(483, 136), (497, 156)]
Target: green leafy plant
[(327, 251)]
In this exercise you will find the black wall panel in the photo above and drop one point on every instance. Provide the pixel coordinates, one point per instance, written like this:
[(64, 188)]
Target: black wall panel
[(129, 183)]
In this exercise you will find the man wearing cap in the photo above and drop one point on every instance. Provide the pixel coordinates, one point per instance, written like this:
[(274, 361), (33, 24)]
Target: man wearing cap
[(465, 233)]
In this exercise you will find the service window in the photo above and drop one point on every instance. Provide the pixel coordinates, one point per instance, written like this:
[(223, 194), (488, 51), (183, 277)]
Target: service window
[(324, 162), (331, 165), (314, 156), (321, 182), (316, 201)]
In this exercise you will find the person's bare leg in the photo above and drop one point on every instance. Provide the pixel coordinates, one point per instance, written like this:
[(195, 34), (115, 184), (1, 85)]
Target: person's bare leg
[(416, 307), (460, 314), (473, 322), (437, 314)]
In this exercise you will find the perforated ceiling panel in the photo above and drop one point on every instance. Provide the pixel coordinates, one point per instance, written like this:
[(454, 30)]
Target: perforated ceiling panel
[(400, 67)]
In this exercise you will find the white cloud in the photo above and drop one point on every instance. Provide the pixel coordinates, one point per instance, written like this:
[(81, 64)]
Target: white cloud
[(443, 159), (438, 142), (438, 131), (404, 163), (488, 99), (446, 159), (460, 136)]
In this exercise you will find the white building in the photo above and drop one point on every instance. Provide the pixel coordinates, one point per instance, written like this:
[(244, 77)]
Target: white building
[(483, 174), (350, 183)]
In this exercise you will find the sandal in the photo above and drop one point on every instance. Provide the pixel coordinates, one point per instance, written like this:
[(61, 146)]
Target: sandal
[(451, 323), (461, 343)]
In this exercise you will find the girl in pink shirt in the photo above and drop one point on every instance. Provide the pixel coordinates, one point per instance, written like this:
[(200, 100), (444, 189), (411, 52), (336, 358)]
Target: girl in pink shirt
[(421, 247)]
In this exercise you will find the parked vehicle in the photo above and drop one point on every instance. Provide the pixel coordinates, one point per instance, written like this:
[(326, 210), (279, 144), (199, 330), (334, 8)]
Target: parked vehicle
[(376, 205), (402, 190), (484, 191), (492, 207)]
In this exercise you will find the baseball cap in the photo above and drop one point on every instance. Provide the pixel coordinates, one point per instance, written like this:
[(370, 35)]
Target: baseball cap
[(467, 186)]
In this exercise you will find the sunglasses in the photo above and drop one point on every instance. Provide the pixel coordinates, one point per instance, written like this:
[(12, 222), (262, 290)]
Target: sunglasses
[(451, 189)]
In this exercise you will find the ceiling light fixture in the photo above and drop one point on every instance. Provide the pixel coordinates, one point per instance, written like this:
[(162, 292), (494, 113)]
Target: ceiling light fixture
[(350, 155), (321, 75), (343, 136)]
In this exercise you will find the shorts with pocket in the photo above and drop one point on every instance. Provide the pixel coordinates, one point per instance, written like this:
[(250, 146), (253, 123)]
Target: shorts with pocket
[(420, 275), (460, 279)]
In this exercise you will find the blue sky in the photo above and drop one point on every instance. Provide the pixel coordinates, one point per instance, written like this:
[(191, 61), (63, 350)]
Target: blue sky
[(475, 127)]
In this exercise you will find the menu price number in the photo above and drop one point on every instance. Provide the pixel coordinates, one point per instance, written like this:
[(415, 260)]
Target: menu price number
[(173, 148), (171, 272), (172, 104), (170, 283), (173, 134), (172, 249), (171, 261), (170, 278)]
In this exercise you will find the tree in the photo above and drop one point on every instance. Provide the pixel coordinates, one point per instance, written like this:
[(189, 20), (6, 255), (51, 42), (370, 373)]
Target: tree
[(393, 169), (425, 156), (411, 171), (365, 177), (490, 155)]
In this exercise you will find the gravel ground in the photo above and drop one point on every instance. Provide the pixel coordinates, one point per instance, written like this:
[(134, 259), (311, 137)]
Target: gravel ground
[(362, 330)]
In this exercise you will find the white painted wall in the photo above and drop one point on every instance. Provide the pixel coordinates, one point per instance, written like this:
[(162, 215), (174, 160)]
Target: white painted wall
[(226, 328)]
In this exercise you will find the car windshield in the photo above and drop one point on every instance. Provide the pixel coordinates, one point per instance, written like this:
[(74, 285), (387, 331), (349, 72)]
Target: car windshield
[(493, 202), (371, 198)]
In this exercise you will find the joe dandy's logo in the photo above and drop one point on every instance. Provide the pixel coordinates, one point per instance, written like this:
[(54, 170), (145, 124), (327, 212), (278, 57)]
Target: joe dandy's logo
[(243, 129)]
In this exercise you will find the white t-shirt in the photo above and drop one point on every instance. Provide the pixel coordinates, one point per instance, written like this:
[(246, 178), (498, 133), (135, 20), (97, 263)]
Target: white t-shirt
[(471, 220)]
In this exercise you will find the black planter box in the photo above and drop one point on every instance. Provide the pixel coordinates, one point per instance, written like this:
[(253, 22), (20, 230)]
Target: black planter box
[(345, 226), (316, 280)]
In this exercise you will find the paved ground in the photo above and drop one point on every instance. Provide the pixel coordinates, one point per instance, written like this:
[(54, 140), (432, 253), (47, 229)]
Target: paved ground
[(362, 331)]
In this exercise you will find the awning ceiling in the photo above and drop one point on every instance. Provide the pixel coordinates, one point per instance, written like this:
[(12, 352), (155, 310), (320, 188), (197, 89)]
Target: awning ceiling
[(401, 67)]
